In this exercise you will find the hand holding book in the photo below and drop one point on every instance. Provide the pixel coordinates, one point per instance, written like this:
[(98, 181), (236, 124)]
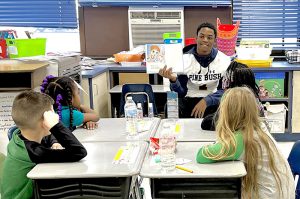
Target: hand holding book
[(167, 73)]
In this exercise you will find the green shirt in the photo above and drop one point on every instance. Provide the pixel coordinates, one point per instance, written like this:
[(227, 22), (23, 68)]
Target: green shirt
[(15, 184), (216, 148)]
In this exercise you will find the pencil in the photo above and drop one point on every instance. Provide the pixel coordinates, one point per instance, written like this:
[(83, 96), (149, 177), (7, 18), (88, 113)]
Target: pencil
[(184, 169)]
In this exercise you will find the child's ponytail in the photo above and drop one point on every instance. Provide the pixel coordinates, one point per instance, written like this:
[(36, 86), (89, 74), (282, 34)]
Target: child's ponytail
[(46, 82), (59, 106)]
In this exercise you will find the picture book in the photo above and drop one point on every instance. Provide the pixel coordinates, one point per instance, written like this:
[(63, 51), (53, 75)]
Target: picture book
[(160, 55)]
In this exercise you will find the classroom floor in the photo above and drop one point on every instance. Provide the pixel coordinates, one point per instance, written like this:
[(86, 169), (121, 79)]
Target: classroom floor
[(285, 148)]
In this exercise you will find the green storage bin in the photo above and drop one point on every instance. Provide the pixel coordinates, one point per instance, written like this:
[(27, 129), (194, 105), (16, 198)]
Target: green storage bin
[(172, 35), (26, 47)]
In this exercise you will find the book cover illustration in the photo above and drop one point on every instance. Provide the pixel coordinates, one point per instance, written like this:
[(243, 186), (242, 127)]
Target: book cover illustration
[(159, 55)]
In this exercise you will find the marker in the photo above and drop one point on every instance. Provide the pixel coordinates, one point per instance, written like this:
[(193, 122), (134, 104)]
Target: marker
[(184, 169)]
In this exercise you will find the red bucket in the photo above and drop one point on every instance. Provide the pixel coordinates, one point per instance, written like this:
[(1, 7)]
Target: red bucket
[(3, 49), (189, 41), (226, 37)]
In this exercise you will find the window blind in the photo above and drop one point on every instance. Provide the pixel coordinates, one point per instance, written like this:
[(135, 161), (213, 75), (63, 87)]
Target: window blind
[(38, 13), (277, 20), (214, 3)]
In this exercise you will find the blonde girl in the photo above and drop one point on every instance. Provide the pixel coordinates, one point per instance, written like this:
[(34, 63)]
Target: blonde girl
[(242, 136)]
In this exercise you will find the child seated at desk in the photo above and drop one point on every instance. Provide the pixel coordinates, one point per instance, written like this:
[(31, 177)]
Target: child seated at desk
[(242, 136), (33, 114), (237, 74), (65, 92)]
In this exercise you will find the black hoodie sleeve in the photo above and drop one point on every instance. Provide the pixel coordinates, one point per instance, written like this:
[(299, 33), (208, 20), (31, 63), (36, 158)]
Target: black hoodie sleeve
[(180, 85), (49, 140), (73, 150)]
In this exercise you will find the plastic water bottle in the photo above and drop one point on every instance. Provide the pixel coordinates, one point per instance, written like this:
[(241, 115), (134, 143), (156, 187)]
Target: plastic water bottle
[(150, 111), (172, 105), (131, 117), (140, 114), (167, 144), (139, 117)]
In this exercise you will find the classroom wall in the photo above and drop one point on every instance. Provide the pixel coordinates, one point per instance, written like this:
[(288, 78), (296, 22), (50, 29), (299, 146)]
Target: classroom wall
[(104, 30)]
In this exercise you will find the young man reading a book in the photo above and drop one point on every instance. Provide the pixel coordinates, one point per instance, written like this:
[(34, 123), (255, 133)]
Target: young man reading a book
[(200, 87)]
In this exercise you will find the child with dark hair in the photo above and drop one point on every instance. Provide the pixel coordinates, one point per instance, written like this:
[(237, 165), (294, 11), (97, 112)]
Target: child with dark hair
[(65, 93), (236, 75), (29, 144)]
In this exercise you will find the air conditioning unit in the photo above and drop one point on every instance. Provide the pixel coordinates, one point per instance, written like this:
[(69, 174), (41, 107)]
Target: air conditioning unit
[(147, 25)]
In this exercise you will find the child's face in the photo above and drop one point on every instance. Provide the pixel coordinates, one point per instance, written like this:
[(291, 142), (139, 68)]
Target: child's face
[(76, 97), (154, 54)]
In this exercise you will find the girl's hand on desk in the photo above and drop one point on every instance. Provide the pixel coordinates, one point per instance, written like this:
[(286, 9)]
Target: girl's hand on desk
[(90, 125)]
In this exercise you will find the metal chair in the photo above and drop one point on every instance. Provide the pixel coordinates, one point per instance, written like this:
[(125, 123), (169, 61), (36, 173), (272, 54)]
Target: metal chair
[(141, 93), (294, 161), (10, 132)]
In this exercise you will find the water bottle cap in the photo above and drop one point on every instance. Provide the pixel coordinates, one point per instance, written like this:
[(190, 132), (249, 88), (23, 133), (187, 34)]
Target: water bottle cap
[(150, 104), (129, 97), (139, 105)]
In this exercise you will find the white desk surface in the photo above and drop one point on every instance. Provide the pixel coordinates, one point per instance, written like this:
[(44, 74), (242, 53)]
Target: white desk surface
[(112, 129), (98, 163), (155, 88), (188, 150), (3, 142), (190, 131)]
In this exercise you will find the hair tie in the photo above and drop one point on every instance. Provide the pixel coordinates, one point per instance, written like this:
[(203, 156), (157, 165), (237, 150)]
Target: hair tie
[(59, 106), (46, 82)]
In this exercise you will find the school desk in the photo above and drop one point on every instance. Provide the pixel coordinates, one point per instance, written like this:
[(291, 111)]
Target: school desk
[(218, 180), (188, 130), (20, 75), (113, 129), (98, 175)]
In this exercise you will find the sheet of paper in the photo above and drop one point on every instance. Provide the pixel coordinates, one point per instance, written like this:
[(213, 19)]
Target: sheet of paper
[(126, 154), (159, 55), (6, 101)]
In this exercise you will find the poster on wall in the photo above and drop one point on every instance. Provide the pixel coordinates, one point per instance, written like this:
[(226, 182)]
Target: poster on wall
[(6, 101)]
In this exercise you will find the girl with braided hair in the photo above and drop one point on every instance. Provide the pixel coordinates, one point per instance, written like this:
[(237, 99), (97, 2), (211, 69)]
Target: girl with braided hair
[(65, 93), (236, 75)]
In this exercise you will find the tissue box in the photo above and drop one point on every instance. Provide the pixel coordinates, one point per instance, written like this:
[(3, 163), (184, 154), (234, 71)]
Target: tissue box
[(275, 115)]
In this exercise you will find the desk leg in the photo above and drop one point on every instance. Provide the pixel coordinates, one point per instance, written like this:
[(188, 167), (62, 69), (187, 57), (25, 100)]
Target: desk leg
[(112, 105), (36, 194), (134, 192), (91, 93)]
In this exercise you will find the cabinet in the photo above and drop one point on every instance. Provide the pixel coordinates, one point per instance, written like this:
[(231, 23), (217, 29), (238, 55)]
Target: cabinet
[(292, 84), (97, 96), (296, 102), (20, 75), (15, 76)]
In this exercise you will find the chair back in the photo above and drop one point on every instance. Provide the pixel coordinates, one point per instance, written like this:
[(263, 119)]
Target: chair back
[(11, 131), (294, 161), (141, 93)]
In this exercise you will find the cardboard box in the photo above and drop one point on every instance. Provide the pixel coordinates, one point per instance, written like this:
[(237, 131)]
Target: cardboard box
[(275, 115)]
